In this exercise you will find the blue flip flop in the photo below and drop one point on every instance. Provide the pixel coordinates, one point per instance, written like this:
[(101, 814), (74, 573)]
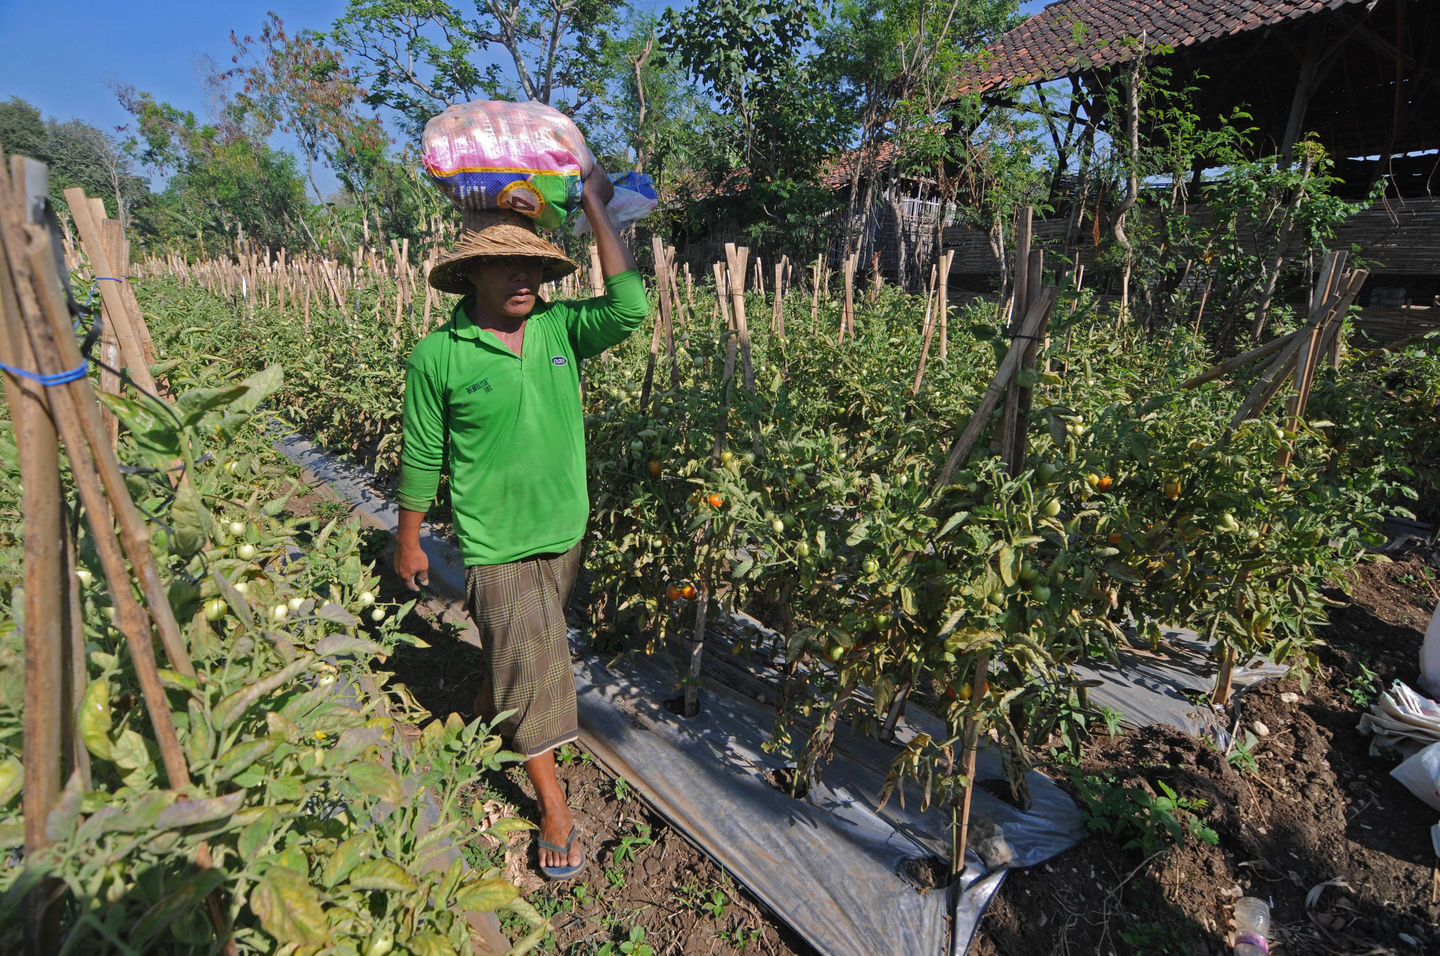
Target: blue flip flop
[(562, 872)]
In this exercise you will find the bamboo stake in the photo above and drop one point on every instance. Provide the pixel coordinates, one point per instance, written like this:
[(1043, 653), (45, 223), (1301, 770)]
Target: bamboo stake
[(669, 308), (1231, 364), (46, 579), (1034, 320), (970, 736), (81, 428), (597, 275), (815, 297), (1019, 304), (737, 258), (1025, 395), (114, 301), (932, 313)]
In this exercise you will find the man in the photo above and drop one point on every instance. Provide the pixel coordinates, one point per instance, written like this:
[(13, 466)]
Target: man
[(497, 391)]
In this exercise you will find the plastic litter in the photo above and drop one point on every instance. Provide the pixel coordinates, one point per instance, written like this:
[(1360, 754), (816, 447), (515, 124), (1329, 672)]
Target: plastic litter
[(1420, 773), (1430, 657), (1252, 926), (1401, 721)]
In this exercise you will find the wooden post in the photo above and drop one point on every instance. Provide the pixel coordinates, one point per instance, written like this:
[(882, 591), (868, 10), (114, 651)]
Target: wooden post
[(815, 296), (111, 295), (970, 741), (1035, 319), (597, 274), (737, 258), (46, 576)]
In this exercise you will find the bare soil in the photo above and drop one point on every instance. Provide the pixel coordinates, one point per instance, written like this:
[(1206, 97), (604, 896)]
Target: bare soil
[(1316, 824), (1318, 827)]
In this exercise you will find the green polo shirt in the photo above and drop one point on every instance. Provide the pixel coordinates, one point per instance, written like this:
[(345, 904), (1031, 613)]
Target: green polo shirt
[(510, 426)]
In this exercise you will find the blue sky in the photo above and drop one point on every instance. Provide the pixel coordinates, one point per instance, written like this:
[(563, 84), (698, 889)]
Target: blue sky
[(61, 55)]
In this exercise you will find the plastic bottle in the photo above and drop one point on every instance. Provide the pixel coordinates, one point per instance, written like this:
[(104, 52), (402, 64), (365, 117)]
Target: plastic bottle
[(1252, 924)]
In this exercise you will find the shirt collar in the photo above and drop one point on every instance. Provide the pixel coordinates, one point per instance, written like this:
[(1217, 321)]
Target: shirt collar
[(466, 329)]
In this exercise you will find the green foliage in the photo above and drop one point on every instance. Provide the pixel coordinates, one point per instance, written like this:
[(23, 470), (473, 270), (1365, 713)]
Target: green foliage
[(418, 56), (224, 181), (632, 945), (77, 154), (1147, 820), (319, 813)]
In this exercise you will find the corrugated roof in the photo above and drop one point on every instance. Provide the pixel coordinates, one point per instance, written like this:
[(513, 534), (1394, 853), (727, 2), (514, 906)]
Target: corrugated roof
[(1074, 35)]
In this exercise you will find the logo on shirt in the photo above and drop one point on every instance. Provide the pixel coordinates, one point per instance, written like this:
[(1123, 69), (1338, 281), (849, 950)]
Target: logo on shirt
[(559, 360), (483, 383)]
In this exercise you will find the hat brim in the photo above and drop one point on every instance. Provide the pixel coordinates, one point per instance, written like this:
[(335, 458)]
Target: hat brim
[(498, 234)]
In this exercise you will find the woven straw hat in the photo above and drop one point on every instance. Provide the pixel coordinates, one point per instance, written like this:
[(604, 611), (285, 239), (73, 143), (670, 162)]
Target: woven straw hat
[(497, 232)]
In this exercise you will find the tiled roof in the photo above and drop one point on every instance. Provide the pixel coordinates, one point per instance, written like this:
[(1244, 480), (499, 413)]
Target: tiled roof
[(1073, 35)]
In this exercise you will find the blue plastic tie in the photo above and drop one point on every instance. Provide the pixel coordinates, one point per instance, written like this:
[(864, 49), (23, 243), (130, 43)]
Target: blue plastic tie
[(54, 378)]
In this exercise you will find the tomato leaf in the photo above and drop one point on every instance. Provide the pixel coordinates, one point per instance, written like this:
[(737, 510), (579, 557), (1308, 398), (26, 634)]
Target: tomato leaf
[(289, 907)]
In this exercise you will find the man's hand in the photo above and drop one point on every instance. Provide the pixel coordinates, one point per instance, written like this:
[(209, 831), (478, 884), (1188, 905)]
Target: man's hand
[(411, 564), (413, 567), (596, 191)]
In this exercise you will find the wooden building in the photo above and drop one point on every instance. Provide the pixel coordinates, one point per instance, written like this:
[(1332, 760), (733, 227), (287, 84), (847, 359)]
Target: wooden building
[(1363, 76)]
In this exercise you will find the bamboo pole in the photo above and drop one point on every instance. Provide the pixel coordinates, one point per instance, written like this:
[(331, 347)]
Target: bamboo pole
[(737, 258), (1231, 364), (815, 296), (46, 578), (597, 274), (1034, 320), (668, 298), (131, 349)]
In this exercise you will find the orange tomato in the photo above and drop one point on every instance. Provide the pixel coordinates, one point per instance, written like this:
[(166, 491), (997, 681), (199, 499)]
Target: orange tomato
[(688, 591), (1115, 537), (715, 500), (655, 467), (673, 593), (1104, 483), (1172, 488)]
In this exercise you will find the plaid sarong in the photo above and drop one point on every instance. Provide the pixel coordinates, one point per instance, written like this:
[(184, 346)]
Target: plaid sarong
[(519, 609)]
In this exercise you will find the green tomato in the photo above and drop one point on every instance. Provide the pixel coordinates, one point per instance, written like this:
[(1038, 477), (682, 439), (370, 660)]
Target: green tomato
[(803, 549), (377, 615), (215, 609), (246, 552), (870, 566), (237, 528), (280, 612), (366, 599), (1040, 593), (1050, 508), (777, 526)]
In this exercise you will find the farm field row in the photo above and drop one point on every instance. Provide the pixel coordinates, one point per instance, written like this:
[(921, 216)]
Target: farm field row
[(807, 500)]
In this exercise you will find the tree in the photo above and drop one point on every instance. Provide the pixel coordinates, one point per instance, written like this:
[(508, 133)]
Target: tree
[(22, 130), (91, 159), (296, 85), (224, 181), (896, 60), (421, 56)]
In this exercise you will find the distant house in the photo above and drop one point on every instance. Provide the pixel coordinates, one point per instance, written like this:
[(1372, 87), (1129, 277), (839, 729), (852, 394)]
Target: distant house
[(1361, 75)]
